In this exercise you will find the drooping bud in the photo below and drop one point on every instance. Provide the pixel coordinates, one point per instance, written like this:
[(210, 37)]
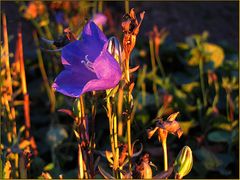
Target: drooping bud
[(114, 48), (183, 163)]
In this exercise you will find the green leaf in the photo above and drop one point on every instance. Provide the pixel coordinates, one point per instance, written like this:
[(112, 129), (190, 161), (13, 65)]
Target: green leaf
[(214, 161), (187, 125), (208, 159), (219, 136), (49, 167)]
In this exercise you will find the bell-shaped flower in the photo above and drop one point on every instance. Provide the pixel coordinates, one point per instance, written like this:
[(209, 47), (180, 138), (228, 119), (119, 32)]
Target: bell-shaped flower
[(88, 66)]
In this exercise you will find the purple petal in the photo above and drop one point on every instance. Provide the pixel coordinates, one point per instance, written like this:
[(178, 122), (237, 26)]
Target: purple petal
[(88, 65), (100, 19), (92, 32), (91, 44), (71, 83), (108, 72)]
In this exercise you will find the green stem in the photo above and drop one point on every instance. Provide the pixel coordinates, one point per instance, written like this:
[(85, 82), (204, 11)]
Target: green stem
[(129, 142), (160, 66), (201, 73), (227, 106), (153, 61), (109, 109), (100, 6), (152, 54), (165, 156), (116, 149), (50, 92)]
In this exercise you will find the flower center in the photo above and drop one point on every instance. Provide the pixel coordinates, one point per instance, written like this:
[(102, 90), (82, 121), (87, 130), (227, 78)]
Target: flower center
[(88, 64)]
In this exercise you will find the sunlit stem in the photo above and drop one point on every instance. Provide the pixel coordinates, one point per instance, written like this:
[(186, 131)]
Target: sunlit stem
[(216, 98), (50, 92), (80, 163), (16, 158), (100, 6), (24, 84), (119, 111), (116, 149), (129, 117), (229, 107), (100, 10), (129, 142), (126, 6), (111, 127), (201, 71), (127, 68), (165, 156), (160, 65), (82, 171), (8, 97), (109, 109), (152, 53), (153, 61)]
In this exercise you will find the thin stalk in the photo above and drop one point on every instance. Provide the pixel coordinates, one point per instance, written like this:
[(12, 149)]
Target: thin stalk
[(165, 156), (143, 86), (129, 117), (50, 92), (160, 65), (127, 74), (129, 142), (24, 84), (100, 6), (11, 112), (153, 61), (116, 149), (109, 111), (201, 73), (216, 98), (227, 106), (126, 6), (80, 163), (152, 53), (119, 111)]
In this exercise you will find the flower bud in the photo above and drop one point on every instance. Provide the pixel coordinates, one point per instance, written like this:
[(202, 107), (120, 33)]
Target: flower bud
[(183, 163), (114, 48)]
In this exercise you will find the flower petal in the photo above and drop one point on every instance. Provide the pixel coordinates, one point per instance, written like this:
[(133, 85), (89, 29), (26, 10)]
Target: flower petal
[(91, 44), (108, 73), (71, 83), (92, 31), (99, 19)]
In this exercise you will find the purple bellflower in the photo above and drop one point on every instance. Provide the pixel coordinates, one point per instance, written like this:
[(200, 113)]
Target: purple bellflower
[(88, 66)]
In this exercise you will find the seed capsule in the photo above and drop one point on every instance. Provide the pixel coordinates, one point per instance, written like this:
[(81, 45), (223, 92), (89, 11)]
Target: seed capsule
[(183, 163), (114, 48)]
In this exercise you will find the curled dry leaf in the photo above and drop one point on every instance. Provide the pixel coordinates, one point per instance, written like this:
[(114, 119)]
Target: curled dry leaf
[(164, 174), (104, 173), (150, 132), (172, 117)]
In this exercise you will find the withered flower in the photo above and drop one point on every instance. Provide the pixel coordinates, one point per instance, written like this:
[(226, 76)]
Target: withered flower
[(163, 127), (130, 26), (144, 170), (158, 37)]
